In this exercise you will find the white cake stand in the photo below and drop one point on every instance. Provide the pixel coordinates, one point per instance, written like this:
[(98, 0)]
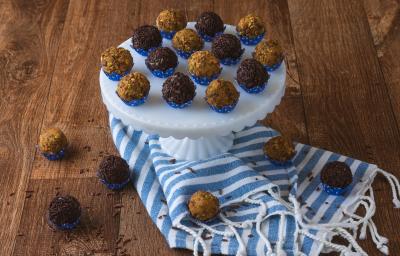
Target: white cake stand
[(195, 132)]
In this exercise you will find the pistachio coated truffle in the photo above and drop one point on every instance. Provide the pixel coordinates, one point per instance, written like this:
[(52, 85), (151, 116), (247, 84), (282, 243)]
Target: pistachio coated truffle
[(203, 205), (146, 37), (171, 20), (221, 93), (178, 88), (64, 212), (187, 40), (52, 140), (162, 59), (226, 46), (113, 170), (204, 64), (336, 174), (209, 23), (268, 52), (250, 26), (133, 87), (116, 59), (251, 73), (279, 149)]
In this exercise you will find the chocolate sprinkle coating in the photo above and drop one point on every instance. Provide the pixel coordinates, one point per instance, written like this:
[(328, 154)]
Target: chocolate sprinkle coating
[(209, 23), (161, 58), (226, 46), (178, 88), (113, 169), (146, 37), (251, 73), (336, 174), (64, 210)]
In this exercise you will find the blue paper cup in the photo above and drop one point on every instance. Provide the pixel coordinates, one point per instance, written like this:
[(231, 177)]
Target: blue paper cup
[(273, 67), (251, 41), (115, 76), (279, 163), (184, 54), (54, 156), (134, 103), (255, 89), (224, 109), (179, 106), (205, 80), (167, 34), (64, 226), (115, 186), (163, 74), (208, 38), (334, 190), (145, 52), (231, 61)]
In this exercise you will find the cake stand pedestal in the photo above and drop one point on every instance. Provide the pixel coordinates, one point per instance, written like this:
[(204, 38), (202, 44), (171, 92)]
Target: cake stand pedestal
[(195, 132)]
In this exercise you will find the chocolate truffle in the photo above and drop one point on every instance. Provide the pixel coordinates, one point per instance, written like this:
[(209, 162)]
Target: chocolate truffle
[(116, 60), (178, 89), (187, 40), (162, 58), (209, 24), (251, 73), (113, 171), (250, 26), (146, 37), (203, 205), (279, 149), (221, 93), (64, 212), (171, 20), (336, 174), (52, 140), (134, 86), (268, 53), (226, 46), (203, 64)]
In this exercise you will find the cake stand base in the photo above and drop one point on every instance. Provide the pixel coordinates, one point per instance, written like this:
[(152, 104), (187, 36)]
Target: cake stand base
[(196, 149)]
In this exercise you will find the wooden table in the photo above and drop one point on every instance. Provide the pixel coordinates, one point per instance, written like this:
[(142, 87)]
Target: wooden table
[(343, 94)]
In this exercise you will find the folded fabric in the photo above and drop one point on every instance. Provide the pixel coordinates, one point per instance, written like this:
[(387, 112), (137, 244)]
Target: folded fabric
[(265, 209)]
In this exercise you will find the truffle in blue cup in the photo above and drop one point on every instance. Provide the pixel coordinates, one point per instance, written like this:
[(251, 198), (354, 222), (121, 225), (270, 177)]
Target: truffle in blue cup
[(64, 212), (145, 39), (162, 62), (209, 25), (170, 21), (279, 150), (269, 53), (204, 67), (251, 76), (222, 96), (336, 178), (227, 48), (178, 90), (133, 89), (116, 62), (53, 143), (114, 172), (250, 29), (186, 42)]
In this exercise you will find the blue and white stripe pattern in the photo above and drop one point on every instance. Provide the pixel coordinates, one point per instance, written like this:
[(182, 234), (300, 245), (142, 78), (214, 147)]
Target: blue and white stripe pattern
[(254, 221)]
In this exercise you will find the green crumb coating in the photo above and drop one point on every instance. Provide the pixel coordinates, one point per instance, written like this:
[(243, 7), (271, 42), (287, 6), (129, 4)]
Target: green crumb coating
[(52, 140), (134, 86), (203, 205), (203, 63), (250, 26), (118, 60), (268, 52), (187, 40), (171, 20), (279, 148), (221, 93)]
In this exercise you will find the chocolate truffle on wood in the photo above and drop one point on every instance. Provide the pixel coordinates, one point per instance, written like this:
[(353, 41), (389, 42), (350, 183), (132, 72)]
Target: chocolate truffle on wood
[(227, 46), (222, 96), (133, 88), (336, 174), (113, 172), (145, 38), (171, 20), (209, 24), (116, 62), (64, 212), (203, 205), (279, 149), (162, 59), (178, 90), (52, 143), (251, 74)]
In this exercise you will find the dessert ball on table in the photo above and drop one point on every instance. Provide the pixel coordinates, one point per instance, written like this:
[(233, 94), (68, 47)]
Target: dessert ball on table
[(113, 172), (162, 62), (178, 90), (170, 21), (269, 53), (64, 212), (146, 38), (209, 25), (186, 42), (252, 76), (203, 67), (227, 48), (116, 62), (336, 177), (250, 29), (53, 143), (133, 89), (222, 96), (279, 150), (203, 205)]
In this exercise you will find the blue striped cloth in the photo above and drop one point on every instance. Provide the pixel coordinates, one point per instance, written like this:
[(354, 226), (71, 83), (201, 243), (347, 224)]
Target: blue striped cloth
[(256, 217)]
